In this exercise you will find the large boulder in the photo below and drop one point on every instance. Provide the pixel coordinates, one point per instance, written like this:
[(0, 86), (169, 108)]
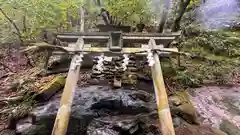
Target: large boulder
[(99, 110), (89, 103)]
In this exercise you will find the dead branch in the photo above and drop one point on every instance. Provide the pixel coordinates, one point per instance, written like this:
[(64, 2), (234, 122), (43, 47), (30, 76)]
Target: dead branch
[(46, 49), (44, 46), (6, 67), (6, 75), (12, 99), (13, 23), (6, 110)]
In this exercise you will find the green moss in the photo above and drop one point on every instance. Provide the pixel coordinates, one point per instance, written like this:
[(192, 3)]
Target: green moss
[(181, 106), (214, 56), (184, 96), (189, 79), (168, 68), (55, 83), (51, 88)]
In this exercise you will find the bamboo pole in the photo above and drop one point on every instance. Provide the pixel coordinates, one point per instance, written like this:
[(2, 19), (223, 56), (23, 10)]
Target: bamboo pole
[(63, 115), (164, 113), (62, 118)]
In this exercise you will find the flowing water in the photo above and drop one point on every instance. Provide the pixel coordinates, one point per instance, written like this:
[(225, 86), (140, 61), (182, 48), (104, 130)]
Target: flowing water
[(218, 104)]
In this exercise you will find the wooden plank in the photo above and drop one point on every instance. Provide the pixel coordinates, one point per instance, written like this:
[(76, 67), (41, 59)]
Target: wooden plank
[(86, 38), (161, 95), (124, 50), (117, 82), (126, 39), (124, 34)]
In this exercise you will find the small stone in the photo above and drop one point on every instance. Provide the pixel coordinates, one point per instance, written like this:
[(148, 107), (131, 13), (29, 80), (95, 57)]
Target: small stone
[(108, 59), (102, 131), (133, 58), (133, 129), (94, 81), (107, 63), (108, 73), (117, 83), (95, 72), (175, 100)]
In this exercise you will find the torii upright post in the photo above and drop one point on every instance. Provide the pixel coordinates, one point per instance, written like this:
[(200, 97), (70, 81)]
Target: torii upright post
[(63, 115), (164, 113)]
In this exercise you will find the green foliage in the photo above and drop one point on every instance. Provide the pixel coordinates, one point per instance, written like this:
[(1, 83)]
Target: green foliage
[(130, 11), (193, 3), (189, 79), (31, 16), (222, 43), (216, 55)]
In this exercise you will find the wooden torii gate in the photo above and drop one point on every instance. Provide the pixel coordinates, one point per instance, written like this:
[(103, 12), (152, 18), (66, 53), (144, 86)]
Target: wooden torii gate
[(112, 42)]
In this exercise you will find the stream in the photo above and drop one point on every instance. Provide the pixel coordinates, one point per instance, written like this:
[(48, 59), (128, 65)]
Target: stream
[(219, 107)]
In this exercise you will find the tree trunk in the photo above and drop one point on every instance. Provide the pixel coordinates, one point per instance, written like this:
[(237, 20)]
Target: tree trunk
[(183, 6), (164, 16), (97, 2), (24, 22), (203, 1), (69, 20)]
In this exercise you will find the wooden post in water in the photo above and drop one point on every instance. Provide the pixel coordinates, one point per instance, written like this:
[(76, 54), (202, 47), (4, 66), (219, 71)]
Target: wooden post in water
[(63, 115), (164, 113)]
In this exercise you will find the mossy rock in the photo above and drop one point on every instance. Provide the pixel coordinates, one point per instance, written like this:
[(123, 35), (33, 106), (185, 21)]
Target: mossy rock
[(49, 89), (181, 106)]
